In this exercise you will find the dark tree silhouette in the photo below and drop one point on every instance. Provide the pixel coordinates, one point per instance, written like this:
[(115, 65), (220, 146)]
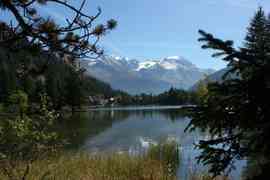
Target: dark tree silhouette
[(236, 111), (77, 38)]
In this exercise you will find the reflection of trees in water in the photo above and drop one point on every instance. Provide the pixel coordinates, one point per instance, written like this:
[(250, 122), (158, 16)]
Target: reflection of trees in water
[(173, 114), (75, 128), (83, 125), (169, 114)]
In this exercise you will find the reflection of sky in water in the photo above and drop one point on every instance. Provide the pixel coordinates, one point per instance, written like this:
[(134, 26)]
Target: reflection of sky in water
[(138, 128)]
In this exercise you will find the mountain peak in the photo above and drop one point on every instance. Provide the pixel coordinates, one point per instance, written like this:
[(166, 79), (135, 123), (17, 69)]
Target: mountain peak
[(149, 76)]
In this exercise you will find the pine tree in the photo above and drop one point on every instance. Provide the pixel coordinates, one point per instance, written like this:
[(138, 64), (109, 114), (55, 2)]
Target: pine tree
[(77, 38), (236, 112), (74, 92), (257, 32)]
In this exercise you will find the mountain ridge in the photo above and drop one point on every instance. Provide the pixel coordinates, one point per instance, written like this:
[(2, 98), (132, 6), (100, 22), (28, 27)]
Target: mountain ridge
[(149, 76)]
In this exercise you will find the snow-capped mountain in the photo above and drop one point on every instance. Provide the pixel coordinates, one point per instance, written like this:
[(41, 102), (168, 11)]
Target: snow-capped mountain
[(149, 76)]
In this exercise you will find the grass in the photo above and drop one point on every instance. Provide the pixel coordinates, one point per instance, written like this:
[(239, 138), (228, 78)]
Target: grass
[(167, 153), (205, 176), (160, 162), (85, 167), (155, 164)]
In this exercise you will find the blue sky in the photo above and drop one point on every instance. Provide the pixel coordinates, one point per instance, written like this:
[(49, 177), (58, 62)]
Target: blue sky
[(153, 29)]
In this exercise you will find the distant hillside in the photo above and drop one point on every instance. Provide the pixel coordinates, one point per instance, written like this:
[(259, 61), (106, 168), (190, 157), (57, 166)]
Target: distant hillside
[(151, 76), (38, 72), (214, 77)]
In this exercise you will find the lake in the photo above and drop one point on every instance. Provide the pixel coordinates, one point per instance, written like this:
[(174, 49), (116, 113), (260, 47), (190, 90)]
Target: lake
[(132, 129)]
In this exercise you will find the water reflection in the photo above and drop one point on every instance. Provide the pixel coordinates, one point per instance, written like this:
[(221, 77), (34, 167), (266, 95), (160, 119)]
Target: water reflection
[(132, 129)]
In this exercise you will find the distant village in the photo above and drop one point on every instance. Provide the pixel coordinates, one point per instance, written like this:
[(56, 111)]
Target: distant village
[(101, 100)]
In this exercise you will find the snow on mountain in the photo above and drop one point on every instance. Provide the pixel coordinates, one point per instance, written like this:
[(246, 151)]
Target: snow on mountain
[(176, 62), (150, 76), (146, 65), (168, 65)]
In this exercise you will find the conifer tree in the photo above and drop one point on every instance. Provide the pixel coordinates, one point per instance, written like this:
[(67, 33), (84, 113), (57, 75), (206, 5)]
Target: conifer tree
[(30, 31), (77, 37), (236, 112)]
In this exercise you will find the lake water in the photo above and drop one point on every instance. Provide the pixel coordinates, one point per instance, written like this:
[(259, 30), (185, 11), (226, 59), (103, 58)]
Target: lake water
[(131, 129)]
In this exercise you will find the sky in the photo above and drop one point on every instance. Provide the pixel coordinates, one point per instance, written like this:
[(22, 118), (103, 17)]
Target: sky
[(154, 29)]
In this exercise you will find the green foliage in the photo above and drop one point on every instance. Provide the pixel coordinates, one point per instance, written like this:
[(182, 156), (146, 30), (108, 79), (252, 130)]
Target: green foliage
[(7, 79), (74, 92), (201, 92), (236, 110), (176, 97), (171, 97), (24, 138), (20, 100), (65, 85), (168, 154), (41, 56), (156, 164)]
